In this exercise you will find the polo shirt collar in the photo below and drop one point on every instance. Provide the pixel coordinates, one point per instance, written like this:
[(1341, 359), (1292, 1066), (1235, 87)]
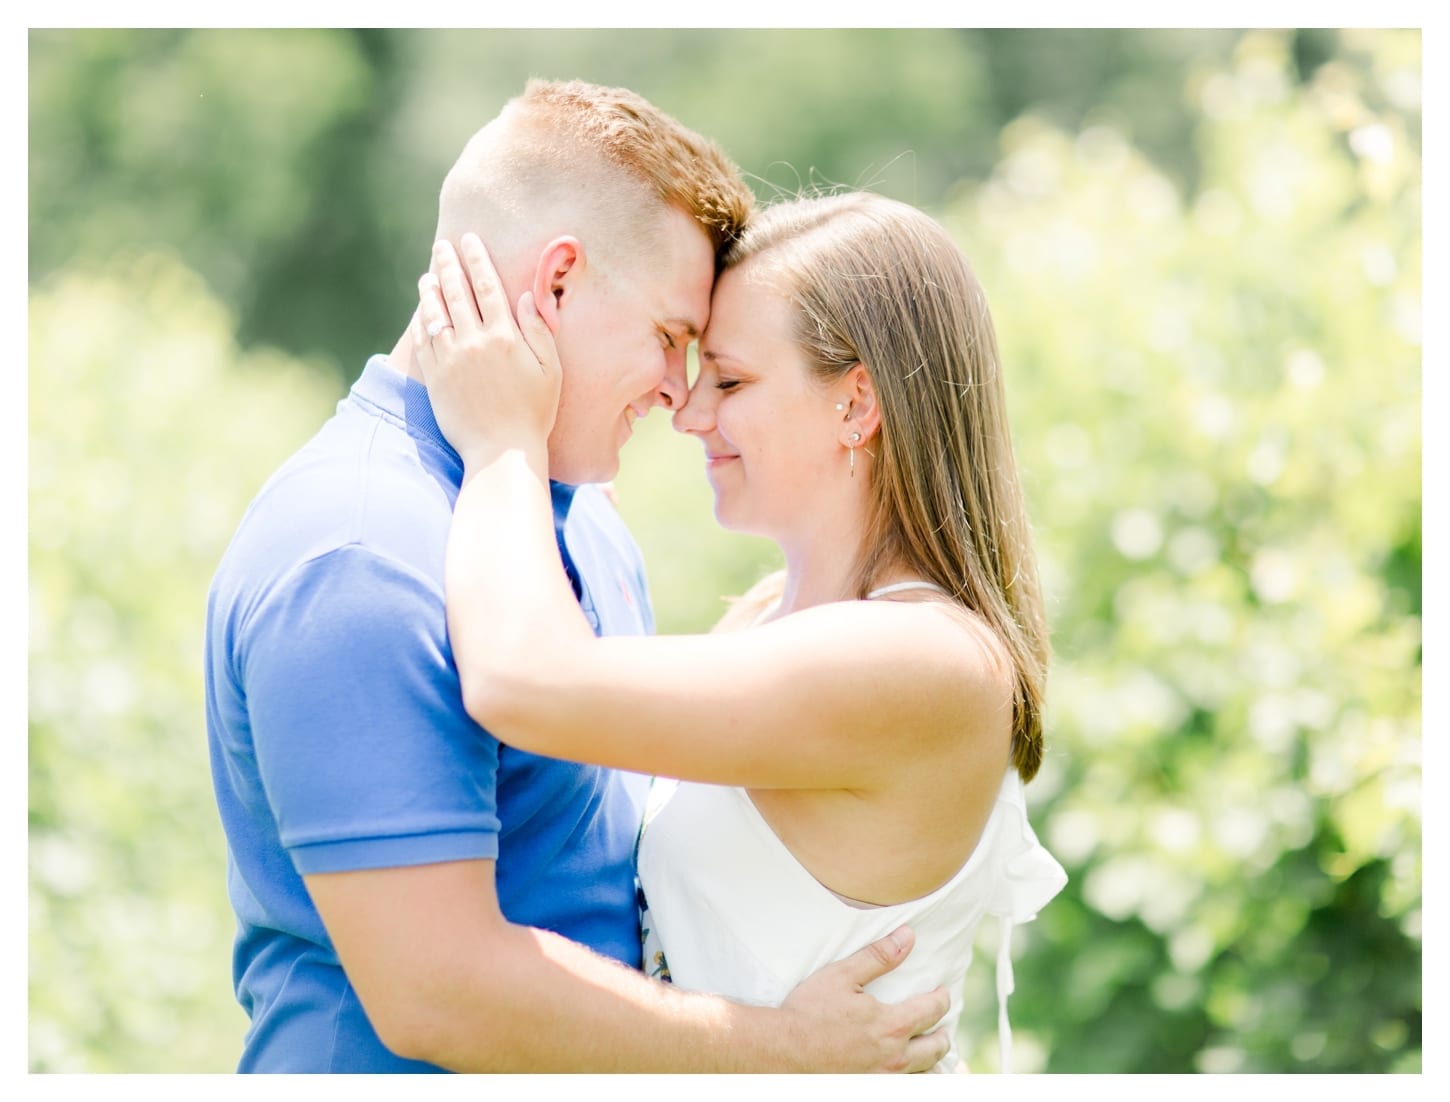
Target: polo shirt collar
[(404, 397)]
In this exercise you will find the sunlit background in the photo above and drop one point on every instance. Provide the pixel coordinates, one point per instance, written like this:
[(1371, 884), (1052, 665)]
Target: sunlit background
[(1202, 252)]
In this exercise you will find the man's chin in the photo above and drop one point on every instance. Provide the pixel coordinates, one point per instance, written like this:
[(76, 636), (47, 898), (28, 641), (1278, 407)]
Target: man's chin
[(577, 471)]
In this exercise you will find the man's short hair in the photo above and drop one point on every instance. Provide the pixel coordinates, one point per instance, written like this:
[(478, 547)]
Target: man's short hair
[(683, 168), (565, 140)]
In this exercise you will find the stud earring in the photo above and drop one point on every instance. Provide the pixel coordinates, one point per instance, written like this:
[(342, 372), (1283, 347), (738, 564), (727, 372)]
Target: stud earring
[(840, 405)]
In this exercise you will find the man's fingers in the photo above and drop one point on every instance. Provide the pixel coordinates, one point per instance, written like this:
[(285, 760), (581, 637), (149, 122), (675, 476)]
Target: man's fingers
[(922, 1012), (487, 287), (878, 958), (925, 1052)]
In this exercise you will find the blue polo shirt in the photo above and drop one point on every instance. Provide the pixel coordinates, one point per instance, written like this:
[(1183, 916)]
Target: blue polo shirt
[(337, 731)]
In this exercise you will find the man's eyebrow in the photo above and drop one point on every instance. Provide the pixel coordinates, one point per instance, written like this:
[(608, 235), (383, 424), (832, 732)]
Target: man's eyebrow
[(690, 328)]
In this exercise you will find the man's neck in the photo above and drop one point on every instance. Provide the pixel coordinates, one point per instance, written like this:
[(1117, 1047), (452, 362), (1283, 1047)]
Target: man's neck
[(401, 357)]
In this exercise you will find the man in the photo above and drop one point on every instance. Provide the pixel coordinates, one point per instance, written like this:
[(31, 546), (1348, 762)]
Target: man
[(411, 895)]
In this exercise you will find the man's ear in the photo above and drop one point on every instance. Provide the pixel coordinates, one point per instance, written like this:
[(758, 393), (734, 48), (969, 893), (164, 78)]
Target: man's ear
[(863, 414), (560, 265)]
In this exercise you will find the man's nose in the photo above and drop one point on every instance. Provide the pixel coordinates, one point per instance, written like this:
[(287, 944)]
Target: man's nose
[(674, 389)]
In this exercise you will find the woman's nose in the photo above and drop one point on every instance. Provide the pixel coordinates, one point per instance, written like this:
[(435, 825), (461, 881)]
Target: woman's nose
[(697, 414)]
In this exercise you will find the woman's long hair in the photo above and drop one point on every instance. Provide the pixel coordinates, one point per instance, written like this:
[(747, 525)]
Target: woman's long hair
[(879, 283)]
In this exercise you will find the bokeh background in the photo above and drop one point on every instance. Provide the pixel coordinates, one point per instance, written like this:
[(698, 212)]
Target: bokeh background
[(1203, 253)]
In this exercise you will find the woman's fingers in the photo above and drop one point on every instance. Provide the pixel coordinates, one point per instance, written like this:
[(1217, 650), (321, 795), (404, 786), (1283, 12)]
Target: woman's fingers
[(455, 292), (490, 385), (433, 318), (488, 293), (537, 335)]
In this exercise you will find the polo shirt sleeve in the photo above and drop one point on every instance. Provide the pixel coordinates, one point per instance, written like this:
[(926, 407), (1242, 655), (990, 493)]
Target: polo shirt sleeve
[(366, 754)]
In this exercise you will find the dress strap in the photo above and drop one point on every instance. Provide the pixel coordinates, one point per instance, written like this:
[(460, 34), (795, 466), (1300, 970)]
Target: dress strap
[(902, 586)]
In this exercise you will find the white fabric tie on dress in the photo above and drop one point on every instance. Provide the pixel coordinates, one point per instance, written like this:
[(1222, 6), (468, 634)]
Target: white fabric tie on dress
[(1005, 986), (1029, 877)]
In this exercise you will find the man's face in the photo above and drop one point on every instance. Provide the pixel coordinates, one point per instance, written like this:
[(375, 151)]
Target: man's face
[(622, 344)]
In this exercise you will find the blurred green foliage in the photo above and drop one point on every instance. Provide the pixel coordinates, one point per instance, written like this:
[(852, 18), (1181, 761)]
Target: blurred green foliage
[(1217, 403), (298, 171), (149, 433), (1202, 251)]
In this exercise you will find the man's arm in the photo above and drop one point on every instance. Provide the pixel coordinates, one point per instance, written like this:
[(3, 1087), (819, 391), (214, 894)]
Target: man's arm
[(367, 759), (445, 978)]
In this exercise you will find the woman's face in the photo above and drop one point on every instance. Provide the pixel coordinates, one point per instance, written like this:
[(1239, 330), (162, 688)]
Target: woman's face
[(771, 433)]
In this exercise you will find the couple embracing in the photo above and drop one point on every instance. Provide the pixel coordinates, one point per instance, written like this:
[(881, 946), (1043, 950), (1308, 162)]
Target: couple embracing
[(433, 694)]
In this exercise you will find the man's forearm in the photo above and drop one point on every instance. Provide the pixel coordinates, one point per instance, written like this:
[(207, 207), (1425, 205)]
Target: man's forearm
[(537, 1002), (445, 978)]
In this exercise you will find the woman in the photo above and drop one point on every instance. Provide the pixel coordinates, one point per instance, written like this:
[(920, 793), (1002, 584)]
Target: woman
[(852, 756)]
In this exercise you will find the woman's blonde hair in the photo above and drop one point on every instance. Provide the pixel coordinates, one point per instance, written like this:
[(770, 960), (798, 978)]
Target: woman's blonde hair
[(879, 283)]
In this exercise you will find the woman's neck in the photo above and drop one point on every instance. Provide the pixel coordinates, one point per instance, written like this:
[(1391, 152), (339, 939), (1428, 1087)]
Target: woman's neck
[(819, 573), (817, 581), (824, 550)]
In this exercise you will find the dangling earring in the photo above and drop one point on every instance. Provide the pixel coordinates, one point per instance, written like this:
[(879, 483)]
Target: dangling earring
[(855, 436)]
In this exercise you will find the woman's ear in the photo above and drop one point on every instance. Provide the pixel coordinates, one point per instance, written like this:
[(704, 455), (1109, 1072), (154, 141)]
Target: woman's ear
[(863, 413), (560, 265)]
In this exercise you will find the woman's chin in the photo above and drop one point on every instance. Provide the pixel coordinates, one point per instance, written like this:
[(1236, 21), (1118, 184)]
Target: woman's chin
[(724, 516), (729, 515)]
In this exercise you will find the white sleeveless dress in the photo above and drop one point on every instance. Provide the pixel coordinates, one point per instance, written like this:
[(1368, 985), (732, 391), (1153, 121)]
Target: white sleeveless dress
[(729, 910)]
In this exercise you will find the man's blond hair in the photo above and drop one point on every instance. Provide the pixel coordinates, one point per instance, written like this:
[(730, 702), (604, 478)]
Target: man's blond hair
[(607, 156)]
